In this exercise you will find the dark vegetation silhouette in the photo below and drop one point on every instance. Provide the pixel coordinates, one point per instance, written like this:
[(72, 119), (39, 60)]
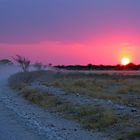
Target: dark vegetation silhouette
[(130, 66), (39, 66), (5, 61), (23, 62)]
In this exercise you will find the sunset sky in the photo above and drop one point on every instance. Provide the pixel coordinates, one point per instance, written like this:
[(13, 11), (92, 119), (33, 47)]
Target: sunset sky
[(71, 31)]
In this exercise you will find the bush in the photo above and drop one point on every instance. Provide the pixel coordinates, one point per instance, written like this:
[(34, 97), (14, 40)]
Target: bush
[(23, 62)]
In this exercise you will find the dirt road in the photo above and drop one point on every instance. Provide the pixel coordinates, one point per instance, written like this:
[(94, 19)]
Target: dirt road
[(21, 120)]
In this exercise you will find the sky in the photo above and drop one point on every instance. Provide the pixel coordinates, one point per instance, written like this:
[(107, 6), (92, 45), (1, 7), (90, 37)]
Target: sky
[(70, 31)]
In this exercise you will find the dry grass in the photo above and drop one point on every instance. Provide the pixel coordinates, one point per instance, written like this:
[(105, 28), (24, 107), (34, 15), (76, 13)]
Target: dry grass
[(129, 86), (124, 90), (43, 99), (18, 85), (90, 117), (96, 118), (120, 89), (132, 135), (115, 90)]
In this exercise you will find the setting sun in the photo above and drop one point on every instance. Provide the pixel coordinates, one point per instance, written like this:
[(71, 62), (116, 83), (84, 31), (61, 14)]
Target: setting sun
[(125, 61)]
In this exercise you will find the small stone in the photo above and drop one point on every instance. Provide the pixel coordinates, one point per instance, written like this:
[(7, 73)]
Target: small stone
[(110, 102), (77, 94), (120, 107), (51, 125), (133, 110)]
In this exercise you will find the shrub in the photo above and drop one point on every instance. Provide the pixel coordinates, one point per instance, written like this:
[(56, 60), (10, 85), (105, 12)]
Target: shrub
[(23, 62), (38, 65)]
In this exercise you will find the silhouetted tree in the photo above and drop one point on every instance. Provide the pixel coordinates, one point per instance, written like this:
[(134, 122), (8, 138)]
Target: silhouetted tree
[(90, 67), (23, 62)]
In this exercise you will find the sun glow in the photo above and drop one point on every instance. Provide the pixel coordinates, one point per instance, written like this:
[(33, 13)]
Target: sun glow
[(125, 61)]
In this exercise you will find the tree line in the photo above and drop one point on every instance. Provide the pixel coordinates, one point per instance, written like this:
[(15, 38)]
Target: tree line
[(130, 66)]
